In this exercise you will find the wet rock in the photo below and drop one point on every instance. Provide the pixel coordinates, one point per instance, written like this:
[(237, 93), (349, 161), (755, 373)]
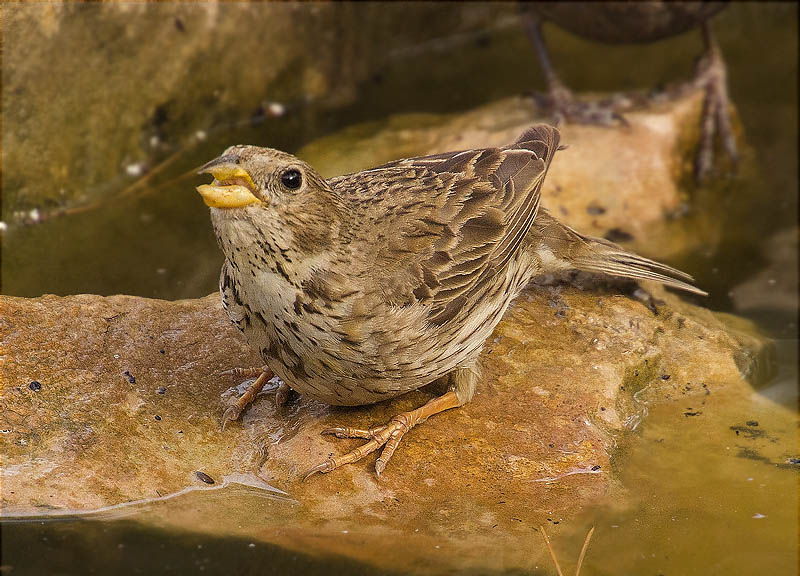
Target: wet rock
[(772, 294), (626, 184), (170, 72), (537, 441)]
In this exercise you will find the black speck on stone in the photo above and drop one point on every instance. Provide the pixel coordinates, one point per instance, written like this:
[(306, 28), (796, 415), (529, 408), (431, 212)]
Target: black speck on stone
[(665, 376), (203, 477), (157, 417), (595, 467), (162, 351), (752, 422), (132, 379), (160, 115), (161, 390), (618, 235), (127, 373), (35, 385), (483, 40)]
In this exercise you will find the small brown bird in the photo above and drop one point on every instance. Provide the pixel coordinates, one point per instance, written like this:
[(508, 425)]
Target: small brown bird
[(638, 23), (363, 287)]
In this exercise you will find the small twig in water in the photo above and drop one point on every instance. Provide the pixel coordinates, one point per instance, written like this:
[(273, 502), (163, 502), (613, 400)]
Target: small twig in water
[(553, 554), (583, 551), (550, 548)]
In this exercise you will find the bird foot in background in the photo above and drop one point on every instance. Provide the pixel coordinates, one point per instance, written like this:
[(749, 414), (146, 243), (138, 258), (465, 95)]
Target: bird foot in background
[(715, 121), (388, 436), (563, 106), (264, 374)]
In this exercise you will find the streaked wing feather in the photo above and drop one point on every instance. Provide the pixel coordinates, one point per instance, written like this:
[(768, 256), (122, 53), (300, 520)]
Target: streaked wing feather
[(458, 218)]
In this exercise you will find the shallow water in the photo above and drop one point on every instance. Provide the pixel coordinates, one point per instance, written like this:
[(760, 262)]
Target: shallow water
[(698, 497)]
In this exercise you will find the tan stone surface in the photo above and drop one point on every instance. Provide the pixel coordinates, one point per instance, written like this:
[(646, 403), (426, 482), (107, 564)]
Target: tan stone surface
[(559, 376), (627, 183)]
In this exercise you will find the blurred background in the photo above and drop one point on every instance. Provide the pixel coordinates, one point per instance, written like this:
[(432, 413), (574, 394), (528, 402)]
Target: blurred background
[(107, 108)]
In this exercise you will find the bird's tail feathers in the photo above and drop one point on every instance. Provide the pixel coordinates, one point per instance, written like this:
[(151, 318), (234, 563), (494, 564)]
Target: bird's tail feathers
[(602, 256)]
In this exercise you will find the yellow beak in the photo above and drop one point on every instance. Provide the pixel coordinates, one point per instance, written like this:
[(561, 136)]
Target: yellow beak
[(232, 186)]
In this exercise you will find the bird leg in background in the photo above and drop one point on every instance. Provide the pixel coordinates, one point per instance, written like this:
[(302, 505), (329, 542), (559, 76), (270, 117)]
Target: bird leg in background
[(389, 436), (715, 119), (264, 374), (560, 99)]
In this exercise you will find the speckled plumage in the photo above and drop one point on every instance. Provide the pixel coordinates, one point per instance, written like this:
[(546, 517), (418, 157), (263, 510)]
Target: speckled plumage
[(366, 286)]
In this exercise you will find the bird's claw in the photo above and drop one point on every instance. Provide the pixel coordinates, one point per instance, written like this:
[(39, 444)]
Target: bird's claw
[(231, 414), (323, 467), (235, 408)]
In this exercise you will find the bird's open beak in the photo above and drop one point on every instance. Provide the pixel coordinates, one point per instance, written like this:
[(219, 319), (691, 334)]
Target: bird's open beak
[(232, 186)]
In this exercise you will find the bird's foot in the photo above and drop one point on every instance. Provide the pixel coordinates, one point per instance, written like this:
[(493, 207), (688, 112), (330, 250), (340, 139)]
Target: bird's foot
[(387, 436), (563, 106), (263, 374), (715, 121), (559, 100)]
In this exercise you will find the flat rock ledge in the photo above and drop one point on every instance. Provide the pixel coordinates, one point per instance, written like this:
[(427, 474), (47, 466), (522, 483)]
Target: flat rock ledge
[(108, 400), (633, 184)]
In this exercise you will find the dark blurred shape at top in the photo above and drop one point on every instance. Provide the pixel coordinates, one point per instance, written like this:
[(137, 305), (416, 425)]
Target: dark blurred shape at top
[(637, 23), (627, 22)]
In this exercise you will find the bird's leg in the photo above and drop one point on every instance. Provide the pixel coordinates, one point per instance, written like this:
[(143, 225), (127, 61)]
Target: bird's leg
[(264, 374), (560, 98), (462, 388), (715, 119)]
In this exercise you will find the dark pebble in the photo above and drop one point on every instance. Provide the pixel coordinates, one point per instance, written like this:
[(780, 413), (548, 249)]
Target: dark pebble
[(35, 385), (665, 376), (595, 467), (752, 422), (161, 390), (794, 461), (132, 379), (157, 417), (127, 373), (618, 235), (162, 351), (203, 477)]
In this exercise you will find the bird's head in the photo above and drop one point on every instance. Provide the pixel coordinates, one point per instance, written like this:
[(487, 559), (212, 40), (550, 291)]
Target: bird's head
[(262, 194)]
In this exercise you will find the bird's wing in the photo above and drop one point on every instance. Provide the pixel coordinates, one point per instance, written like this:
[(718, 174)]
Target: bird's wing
[(447, 223)]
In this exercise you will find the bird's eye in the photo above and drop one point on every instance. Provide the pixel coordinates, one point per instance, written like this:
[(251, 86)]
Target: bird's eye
[(292, 179)]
